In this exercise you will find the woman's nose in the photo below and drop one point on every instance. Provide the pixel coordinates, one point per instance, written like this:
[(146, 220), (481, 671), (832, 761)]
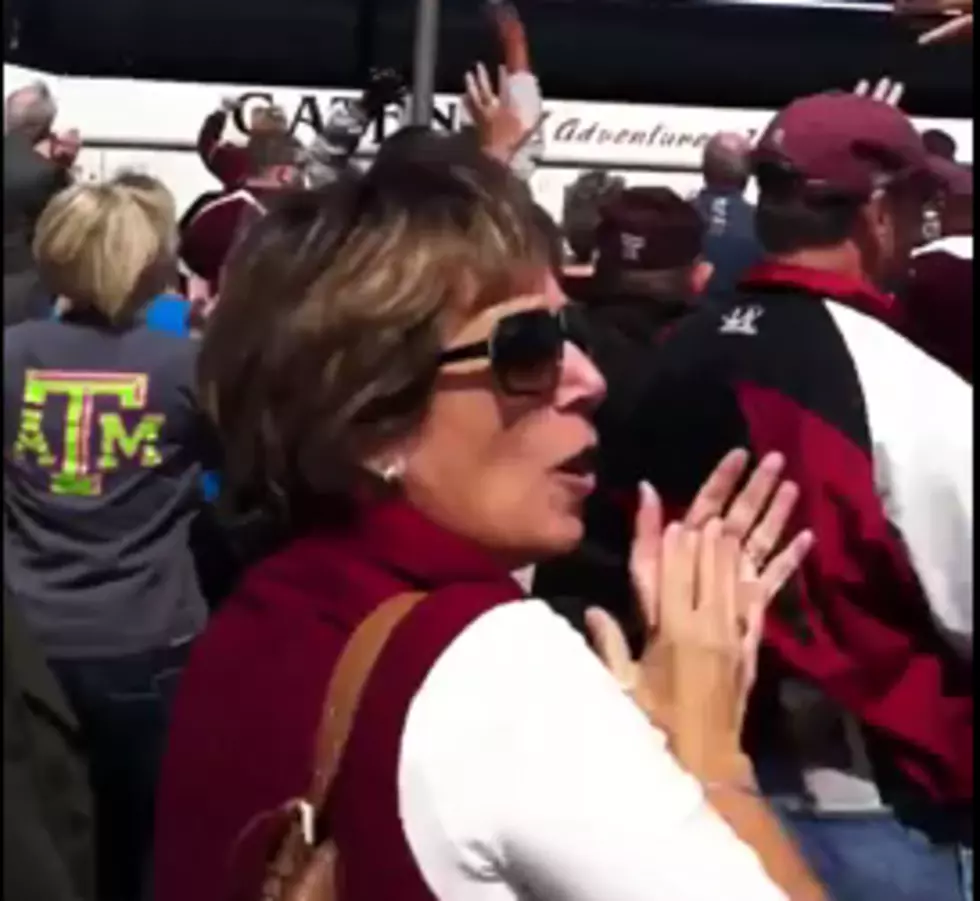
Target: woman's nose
[(581, 381)]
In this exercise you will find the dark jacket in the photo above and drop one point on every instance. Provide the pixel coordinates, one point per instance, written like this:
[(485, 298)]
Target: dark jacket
[(730, 244), (877, 436), (99, 515), (622, 335), (47, 803), (29, 182)]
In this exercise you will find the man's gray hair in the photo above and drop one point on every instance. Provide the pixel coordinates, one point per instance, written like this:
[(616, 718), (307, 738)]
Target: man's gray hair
[(30, 111)]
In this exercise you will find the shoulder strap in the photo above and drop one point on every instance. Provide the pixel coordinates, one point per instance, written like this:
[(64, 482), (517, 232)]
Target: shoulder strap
[(350, 677)]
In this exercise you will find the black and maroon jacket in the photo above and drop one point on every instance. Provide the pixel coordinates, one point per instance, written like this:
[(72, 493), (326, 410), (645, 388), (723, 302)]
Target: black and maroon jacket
[(878, 435)]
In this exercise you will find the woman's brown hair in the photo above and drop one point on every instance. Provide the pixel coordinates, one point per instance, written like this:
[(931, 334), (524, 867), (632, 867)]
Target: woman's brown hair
[(324, 345)]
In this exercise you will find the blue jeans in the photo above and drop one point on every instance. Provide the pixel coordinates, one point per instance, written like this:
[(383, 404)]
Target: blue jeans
[(123, 706), (875, 857)]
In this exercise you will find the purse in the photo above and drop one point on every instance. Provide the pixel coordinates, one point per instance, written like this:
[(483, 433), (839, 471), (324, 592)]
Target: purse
[(300, 867)]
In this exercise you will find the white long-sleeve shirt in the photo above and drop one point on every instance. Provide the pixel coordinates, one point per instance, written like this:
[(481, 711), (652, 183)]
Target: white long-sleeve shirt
[(545, 781)]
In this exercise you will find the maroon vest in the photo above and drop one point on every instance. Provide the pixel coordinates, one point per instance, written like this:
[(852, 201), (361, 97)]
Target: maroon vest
[(243, 726)]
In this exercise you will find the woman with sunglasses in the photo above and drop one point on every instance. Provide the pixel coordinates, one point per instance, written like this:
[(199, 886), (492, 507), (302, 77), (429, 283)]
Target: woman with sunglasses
[(395, 377)]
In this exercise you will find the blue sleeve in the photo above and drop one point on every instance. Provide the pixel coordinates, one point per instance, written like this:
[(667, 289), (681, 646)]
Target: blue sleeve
[(169, 313)]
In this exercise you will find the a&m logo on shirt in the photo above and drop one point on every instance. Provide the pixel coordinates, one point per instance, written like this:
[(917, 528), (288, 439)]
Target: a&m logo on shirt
[(741, 321), (94, 440)]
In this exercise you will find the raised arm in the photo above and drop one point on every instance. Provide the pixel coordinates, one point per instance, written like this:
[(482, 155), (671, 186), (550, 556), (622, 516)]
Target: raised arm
[(332, 149)]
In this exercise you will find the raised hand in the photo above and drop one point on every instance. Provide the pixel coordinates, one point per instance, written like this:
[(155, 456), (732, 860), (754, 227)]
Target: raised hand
[(512, 36), (959, 24), (885, 90), (496, 117), (385, 87)]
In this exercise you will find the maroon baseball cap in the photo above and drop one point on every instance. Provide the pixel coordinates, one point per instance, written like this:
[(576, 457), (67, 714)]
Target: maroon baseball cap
[(648, 229), (842, 144)]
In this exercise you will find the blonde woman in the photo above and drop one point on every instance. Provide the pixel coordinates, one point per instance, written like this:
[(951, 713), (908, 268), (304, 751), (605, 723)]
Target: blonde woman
[(103, 446), (169, 311)]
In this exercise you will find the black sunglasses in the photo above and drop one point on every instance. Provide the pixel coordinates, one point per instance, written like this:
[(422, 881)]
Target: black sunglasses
[(525, 349)]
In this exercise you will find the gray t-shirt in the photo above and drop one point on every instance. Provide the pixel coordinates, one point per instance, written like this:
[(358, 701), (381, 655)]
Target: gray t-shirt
[(103, 451)]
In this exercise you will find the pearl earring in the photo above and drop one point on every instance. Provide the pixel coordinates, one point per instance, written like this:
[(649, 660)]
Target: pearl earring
[(393, 471)]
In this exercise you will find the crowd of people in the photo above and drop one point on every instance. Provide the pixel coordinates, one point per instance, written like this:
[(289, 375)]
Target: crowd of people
[(369, 534)]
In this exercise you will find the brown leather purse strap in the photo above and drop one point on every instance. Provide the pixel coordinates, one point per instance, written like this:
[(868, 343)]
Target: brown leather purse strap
[(350, 677)]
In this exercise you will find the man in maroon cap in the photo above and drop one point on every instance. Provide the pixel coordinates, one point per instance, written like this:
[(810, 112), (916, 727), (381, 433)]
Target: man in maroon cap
[(649, 267), (862, 718), (649, 274)]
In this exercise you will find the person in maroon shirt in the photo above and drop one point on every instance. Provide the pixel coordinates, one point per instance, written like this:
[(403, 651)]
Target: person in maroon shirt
[(863, 714), (226, 160), (207, 236), (936, 306)]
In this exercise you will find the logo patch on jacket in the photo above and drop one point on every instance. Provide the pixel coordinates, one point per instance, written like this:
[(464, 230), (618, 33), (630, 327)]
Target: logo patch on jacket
[(741, 321)]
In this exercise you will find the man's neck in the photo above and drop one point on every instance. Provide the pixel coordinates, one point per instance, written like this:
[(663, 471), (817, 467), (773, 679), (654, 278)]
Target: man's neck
[(837, 260), (725, 190), (262, 183)]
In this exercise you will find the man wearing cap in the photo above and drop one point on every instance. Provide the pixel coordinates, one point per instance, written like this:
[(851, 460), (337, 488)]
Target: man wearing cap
[(862, 719), (649, 266), (209, 233), (649, 273)]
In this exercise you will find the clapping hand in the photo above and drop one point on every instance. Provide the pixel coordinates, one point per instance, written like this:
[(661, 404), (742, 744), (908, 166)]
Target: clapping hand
[(703, 587), (65, 147)]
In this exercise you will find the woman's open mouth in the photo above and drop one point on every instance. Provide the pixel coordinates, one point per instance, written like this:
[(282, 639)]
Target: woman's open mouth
[(579, 472)]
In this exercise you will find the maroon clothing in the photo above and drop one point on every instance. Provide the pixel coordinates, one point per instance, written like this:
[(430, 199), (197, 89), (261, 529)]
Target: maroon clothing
[(861, 295), (227, 162), (774, 371), (208, 236), (243, 726), (937, 307)]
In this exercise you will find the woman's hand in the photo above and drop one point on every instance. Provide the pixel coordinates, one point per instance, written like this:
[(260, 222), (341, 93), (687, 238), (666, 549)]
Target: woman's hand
[(703, 588), (496, 118)]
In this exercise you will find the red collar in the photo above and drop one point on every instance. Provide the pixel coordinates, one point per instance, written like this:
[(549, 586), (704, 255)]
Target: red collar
[(856, 292), (393, 540)]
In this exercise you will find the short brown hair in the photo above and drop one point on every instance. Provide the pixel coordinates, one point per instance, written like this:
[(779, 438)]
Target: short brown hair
[(324, 346), (105, 247), (269, 149)]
